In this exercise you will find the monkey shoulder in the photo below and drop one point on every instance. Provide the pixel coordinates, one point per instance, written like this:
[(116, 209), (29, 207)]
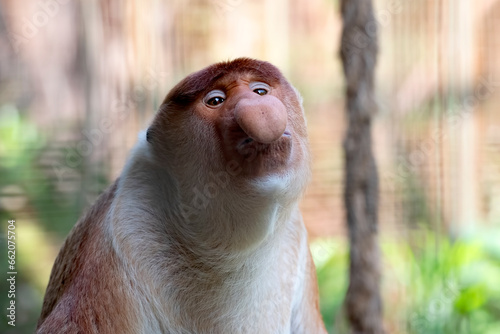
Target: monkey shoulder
[(82, 290)]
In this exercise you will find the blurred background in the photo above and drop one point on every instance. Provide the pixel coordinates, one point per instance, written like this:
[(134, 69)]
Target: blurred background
[(80, 79)]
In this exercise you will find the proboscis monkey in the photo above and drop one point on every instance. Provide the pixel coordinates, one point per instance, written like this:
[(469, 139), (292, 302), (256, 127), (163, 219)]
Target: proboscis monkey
[(201, 233)]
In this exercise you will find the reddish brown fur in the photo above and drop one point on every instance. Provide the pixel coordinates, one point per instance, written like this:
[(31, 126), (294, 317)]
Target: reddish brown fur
[(194, 85), (84, 284)]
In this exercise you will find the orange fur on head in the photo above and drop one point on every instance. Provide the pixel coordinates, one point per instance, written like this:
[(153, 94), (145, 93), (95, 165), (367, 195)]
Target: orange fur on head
[(202, 232)]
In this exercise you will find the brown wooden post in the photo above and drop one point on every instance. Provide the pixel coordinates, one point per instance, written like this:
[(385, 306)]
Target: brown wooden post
[(359, 53)]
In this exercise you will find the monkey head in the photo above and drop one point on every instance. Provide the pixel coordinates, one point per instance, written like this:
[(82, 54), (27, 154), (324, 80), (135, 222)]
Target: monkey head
[(231, 134), (242, 117)]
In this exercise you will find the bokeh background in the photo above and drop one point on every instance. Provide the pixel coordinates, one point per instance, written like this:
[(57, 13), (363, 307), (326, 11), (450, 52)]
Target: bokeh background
[(80, 79)]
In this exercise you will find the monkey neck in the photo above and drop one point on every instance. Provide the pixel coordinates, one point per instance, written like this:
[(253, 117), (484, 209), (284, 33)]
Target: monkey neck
[(204, 287), (213, 214)]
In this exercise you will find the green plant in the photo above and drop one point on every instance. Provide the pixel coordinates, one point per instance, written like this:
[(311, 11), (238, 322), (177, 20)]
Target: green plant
[(436, 285)]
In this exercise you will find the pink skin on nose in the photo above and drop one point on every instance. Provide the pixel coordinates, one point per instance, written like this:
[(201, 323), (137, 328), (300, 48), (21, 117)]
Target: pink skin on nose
[(263, 118)]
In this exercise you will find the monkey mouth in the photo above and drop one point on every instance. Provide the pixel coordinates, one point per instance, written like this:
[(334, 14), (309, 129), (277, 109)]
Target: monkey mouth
[(275, 153), (247, 141), (255, 158)]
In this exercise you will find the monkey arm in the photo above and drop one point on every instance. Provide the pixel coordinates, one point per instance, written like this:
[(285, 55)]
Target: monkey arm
[(306, 316)]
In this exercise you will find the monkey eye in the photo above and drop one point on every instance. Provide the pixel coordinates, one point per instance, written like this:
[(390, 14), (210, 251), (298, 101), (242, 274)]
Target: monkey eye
[(260, 88), (260, 91), (215, 101), (214, 98)]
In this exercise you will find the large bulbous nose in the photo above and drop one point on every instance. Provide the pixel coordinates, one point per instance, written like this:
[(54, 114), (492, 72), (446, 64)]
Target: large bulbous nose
[(263, 118)]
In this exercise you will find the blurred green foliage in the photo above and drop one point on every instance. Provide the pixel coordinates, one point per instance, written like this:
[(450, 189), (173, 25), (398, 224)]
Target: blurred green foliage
[(433, 286), (19, 144), (27, 164), (44, 206)]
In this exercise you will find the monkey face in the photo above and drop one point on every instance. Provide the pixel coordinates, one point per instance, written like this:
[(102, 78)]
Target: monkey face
[(241, 114), (250, 122)]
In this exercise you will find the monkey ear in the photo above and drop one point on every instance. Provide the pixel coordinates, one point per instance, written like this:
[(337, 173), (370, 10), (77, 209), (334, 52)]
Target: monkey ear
[(149, 135)]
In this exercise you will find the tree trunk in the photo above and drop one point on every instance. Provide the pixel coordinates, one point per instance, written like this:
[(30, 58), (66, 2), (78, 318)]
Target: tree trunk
[(359, 51)]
